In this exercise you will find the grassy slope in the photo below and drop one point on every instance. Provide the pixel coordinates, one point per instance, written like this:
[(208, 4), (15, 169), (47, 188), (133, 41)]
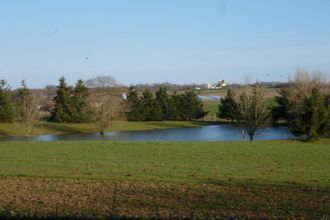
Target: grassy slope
[(270, 162), (62, 128)]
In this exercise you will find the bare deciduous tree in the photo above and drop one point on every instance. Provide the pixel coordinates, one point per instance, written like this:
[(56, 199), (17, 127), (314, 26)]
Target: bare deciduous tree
[(107, 107), (28, 109), (252, 112), (101, 82)]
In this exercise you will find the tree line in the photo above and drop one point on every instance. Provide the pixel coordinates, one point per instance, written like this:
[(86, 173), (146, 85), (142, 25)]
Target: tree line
[(162, 106), (303, 105), (93, 104)]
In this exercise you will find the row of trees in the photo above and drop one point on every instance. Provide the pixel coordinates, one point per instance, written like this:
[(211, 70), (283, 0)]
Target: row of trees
[(303, 105), (71, 105), (79, 104), (94, 103), (163, 106)]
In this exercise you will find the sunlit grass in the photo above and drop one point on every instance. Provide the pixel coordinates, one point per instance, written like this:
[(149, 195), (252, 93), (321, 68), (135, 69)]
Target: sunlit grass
[(269, 162)]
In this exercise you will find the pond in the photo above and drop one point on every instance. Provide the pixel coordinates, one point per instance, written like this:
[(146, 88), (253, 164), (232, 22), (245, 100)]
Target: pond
[(203, 133)]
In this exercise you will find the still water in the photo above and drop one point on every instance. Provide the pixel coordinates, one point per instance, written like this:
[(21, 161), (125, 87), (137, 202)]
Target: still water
[(203, 133)]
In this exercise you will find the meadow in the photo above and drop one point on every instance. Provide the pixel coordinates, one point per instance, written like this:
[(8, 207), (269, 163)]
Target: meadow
[(264, 179)]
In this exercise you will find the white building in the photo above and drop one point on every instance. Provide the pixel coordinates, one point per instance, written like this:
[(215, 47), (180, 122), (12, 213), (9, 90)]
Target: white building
[(219, 85)]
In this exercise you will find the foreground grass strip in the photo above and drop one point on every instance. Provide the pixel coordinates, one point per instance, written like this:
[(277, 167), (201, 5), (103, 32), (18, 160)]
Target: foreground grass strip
[(44, 198), (264, 162), (103, 179)]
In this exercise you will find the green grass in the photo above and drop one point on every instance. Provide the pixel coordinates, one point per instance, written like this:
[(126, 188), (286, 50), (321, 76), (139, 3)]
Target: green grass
[(104, 179), (264, 162), (268, 92), (212, 107), (63, 128)]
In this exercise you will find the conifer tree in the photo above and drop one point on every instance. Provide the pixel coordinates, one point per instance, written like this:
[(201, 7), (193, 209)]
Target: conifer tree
[(165, 104), (228, 106), (303, 106), (163, 107), (136, 108), (316, 115), (151, 111), (64, 108), (189, 107), (7, 112), (82, 110)]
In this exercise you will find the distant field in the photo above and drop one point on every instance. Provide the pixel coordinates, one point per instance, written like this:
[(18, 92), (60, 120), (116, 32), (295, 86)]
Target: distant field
[(212, 107), (268, 92), (266, 179)]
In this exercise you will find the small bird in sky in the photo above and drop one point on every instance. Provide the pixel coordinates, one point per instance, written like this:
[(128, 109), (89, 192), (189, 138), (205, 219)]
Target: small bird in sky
[(86, 58)]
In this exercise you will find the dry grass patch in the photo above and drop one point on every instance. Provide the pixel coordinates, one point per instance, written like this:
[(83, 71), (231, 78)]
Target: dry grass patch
[(44, 198)]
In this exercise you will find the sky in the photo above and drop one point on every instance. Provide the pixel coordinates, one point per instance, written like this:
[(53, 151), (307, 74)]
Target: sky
[(154, 41)]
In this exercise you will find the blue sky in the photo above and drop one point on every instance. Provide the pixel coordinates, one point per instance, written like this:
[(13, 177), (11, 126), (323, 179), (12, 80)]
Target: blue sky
[(146, 41)]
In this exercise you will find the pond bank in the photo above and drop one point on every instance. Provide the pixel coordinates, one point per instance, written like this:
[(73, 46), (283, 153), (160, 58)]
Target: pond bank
[(14, 129), (204, 133)]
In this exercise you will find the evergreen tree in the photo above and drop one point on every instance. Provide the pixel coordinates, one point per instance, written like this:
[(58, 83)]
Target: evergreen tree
[(151, 111), (164, 107), (135, 105), (175, 101), (165, 104), (7, 113), (82, 110), (64, 107), (303, 106), (316, 115), (189, 106), (228, 106)]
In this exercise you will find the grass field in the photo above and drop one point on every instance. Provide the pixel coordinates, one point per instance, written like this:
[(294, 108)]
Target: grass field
[(266, 179), (212, 106), (268, 92)]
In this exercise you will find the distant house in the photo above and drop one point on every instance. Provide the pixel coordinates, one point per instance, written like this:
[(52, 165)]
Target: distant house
[(219, 85)]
